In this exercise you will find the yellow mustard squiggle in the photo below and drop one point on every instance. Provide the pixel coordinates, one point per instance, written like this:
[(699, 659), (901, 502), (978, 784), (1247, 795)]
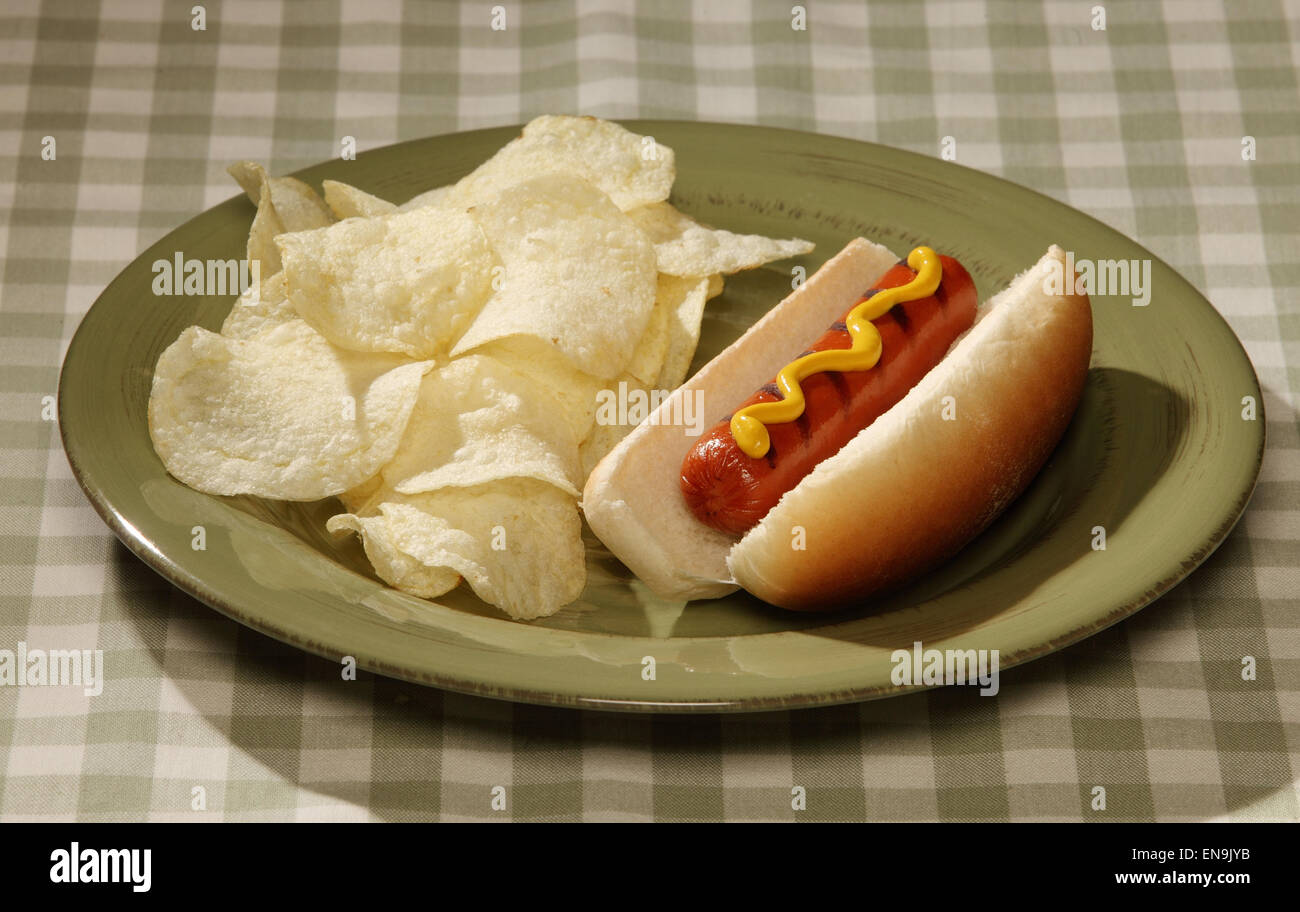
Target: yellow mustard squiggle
[(749, 425)]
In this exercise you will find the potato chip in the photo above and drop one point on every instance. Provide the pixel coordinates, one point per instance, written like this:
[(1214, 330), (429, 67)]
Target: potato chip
[(435, 197), (476, 421), (565, 391), (297, 205), (716, 284), (684, 247), (262, 234), (408, 283), (651, 349), (395, 567), (361, 499), (683, 300), (249, 175), (578, 273), (632, 170), (687, 296), (259, 309), (283, 414), (346, 201), (517, 542)]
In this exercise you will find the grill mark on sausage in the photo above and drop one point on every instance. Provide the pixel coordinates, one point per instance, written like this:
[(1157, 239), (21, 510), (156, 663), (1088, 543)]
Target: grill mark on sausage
[(900, 316), (804, 424), (841, 387)]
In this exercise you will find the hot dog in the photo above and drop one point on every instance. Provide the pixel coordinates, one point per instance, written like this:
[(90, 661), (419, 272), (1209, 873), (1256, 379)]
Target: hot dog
[(731, 491), (920, 474)]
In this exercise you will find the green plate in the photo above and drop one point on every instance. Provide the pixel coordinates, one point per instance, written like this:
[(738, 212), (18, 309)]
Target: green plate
[(1159, 455)]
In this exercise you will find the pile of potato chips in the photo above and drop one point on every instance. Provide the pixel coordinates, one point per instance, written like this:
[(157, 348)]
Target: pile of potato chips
[(436, 365)]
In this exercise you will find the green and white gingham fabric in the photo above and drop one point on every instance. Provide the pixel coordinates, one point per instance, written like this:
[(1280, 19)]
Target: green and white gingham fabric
[(1140, 124)]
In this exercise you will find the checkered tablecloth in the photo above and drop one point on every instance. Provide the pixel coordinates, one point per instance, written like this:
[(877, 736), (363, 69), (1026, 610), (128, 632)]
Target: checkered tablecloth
[(1142, 124)]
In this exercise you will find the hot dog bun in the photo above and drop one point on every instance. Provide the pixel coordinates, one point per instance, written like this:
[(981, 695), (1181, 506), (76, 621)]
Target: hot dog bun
[(902, 496)]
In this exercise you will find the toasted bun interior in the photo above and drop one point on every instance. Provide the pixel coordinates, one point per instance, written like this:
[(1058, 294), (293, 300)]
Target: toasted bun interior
[(633, 500), (913, 488)]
